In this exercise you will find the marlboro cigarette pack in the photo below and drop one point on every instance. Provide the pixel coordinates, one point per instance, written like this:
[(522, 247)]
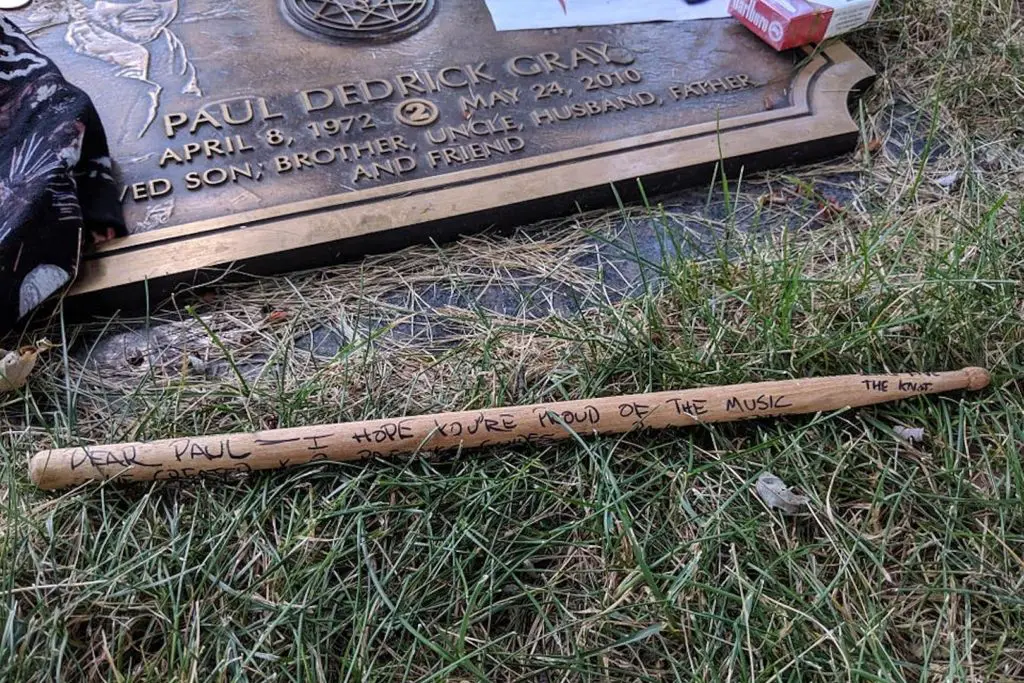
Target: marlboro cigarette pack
[(786, 24)]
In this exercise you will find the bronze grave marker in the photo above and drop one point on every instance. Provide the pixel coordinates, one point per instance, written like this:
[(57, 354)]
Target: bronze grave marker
[(275, 134)]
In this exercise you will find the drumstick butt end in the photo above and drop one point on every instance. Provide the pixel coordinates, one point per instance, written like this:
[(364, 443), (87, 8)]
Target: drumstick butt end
[(41, 472)]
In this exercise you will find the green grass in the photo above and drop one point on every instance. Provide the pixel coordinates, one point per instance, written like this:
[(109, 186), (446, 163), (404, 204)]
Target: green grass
[(642, 557)]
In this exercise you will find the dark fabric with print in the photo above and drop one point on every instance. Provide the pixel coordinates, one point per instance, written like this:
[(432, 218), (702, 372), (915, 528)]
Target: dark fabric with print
[(56, 184)]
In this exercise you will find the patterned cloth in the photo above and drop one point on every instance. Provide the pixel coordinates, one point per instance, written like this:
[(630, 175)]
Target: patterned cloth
[(57, 188)]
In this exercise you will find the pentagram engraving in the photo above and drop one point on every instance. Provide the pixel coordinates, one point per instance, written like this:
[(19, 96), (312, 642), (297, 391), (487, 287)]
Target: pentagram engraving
[(359, 20)]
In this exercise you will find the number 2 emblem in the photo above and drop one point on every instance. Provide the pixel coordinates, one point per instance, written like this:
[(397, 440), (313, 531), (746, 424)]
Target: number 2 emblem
[(416, 112)]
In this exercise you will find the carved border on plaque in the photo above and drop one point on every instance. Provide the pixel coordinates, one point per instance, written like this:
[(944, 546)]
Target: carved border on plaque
[(818, 105)]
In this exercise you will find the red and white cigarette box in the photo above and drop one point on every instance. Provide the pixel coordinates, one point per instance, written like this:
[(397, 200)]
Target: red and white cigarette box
[(785, 24)]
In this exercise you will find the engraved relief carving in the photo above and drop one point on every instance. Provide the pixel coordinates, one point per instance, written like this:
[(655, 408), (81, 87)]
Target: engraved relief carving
[(359, 20), (134, 38)]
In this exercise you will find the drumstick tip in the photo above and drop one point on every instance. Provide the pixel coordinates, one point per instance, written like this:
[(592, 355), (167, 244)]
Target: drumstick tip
[(977, 378)]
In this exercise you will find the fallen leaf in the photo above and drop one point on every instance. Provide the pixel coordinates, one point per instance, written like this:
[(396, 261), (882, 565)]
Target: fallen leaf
[(776, 494), (16, 366), (909, 434), (970, 254), (868, 148), (277, 317), (772, 199), (949, 180), (830, 209)]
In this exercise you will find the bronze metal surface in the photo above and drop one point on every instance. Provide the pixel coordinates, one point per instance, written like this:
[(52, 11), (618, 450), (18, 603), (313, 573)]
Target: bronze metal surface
[(245, 134)]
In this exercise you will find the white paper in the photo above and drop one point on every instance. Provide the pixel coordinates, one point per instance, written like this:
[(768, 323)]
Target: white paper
[(517, 15)]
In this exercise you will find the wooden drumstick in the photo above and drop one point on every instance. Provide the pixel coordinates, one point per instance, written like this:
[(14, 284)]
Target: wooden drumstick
[(196, 456)]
